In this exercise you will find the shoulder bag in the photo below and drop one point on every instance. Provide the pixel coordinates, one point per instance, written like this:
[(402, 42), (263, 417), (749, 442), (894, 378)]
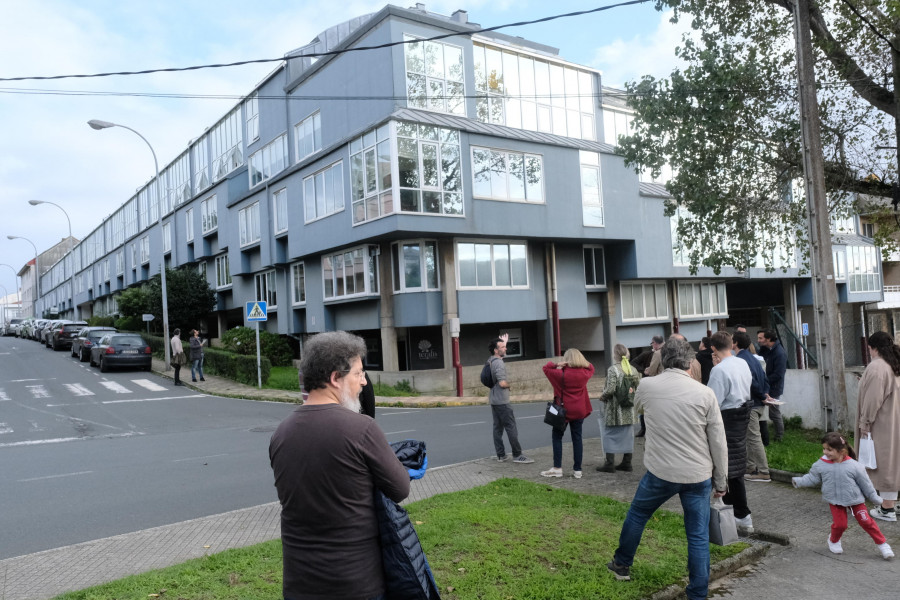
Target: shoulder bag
[(555, 416)]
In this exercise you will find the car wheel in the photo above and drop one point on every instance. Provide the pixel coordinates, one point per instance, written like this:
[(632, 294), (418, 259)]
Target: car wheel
[(54, 346), (103, 367), (81, 356), (91, 358)]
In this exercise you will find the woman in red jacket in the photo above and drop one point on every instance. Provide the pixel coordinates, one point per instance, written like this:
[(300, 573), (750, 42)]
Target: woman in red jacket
[(569, 380)]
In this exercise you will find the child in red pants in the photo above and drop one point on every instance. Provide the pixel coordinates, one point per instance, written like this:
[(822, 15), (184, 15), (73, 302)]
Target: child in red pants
[(845, 486)]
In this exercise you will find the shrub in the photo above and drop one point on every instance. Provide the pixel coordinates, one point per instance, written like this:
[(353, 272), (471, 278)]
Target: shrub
[(102, 321), (242, 340), (404, 386), (239, 367), (129, 324)]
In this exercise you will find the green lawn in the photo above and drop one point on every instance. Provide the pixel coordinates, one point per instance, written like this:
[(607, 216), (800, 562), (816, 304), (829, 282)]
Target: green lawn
[(287, 378), (508, 539), (799, 449)]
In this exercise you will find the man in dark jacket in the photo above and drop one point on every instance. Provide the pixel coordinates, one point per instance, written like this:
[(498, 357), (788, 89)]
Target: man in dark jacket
[(776, 367), (328, 461), (705, 358), (757, 462)]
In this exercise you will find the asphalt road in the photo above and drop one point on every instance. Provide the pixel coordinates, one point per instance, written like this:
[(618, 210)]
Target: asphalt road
[(86, 455)]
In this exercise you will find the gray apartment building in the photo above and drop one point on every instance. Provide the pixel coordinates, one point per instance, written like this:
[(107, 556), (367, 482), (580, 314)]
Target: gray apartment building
[(428, 188)]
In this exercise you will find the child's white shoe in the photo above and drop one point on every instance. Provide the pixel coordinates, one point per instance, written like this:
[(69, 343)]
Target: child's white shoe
[(836, 547), (886, 552)]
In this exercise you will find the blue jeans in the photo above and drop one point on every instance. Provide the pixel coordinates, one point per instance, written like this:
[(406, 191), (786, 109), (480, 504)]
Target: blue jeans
[(197, 367), (650, 495), (575, 428)]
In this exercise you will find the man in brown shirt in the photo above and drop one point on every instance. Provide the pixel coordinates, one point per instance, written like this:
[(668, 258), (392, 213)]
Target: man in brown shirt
[(328, 459)]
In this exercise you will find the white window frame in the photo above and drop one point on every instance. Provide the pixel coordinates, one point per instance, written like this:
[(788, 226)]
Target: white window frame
[(280, 211), (310, 127), (145, 249), (398, 266), (189, 224), (209, 218), (167, 237), (248, 224), (120, 262), (225, 138), (335, 264), (365, 204), (595, 250), (266, 288), (863, 274), (311, 183), (223, 272), (507, 197), (713, 292), (134, 256), (435, 96), (493, 260), (202, 269), (592, 213), (653, 286), (268, 161), (446, 143), (251, 112), (298, 276)]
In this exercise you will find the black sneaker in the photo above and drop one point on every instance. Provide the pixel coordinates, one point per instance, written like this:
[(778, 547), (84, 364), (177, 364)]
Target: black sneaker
[(621, 572)]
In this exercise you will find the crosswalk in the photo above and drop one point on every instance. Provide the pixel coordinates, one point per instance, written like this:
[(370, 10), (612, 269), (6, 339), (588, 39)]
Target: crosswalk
[(47, 390)]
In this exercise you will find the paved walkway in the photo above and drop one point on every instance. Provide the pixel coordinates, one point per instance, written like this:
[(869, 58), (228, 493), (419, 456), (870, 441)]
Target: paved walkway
[(802, 569)]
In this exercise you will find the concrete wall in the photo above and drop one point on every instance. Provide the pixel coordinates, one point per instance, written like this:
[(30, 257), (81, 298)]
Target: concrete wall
[(801, 393)]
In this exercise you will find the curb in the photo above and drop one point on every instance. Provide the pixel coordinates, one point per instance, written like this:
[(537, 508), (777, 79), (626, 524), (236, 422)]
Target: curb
[(719, 570)]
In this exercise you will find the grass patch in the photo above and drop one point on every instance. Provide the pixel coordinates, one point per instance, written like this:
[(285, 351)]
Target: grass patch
[(508, 539), (283, 378), (401, 388), (799, 448)]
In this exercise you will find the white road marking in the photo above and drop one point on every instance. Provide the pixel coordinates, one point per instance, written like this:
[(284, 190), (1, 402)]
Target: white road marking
[(38, 391), (399, 432), (153, 399), (199, 457), (55, 476), (3, 396), (116, 387), (391, 414), (147, 384), (5, 429), (68, 439), (77, 389), (472, 423), (22, 380), (531, 417), (35, 426)]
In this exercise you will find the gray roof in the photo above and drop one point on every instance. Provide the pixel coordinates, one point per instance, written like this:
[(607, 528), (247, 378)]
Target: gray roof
[(656, 190), (473, 126), (850, 239), (614, 97)]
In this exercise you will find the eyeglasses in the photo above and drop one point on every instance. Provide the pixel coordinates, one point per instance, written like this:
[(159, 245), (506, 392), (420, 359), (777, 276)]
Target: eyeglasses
[(361, 374)]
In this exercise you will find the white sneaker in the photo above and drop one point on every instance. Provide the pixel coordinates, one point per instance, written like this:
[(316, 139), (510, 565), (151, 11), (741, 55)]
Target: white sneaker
[(886, 552), (576, 474), (746, 523), (552, 472), (884, 514), (836, 547)]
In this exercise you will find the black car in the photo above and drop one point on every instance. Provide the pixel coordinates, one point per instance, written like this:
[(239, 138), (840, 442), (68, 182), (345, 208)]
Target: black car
[(62, 335), (121, 350), (85, 340), (47, 331)]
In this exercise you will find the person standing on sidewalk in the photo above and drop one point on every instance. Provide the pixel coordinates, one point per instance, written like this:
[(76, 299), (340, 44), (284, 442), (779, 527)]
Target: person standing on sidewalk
[(730, 381), (757, 461), (654, 368), (617, 415), (776, 367), (504, 419), (328, 461), (685, 454), (196, 356), (178, 357), (569, 379)]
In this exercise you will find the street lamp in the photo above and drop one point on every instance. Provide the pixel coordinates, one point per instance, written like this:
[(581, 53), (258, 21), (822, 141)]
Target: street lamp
[(5, 305), (97, 124), (37, 272), (71, 252), (16, 281)]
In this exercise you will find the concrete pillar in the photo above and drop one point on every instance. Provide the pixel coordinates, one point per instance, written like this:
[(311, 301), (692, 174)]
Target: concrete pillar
[(608, 317), (447, 261), (388, 331)]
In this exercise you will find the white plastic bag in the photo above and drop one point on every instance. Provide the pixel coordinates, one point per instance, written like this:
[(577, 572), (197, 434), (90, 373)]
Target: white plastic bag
[(722, 526), (867, 452)]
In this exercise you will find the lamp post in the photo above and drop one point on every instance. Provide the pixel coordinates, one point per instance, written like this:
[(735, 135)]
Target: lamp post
[(5, 306), (16, 281), (97, 124), (71, 252), (37, 274)]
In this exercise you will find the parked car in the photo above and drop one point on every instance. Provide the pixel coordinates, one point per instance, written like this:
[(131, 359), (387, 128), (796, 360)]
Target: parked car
[(25, 327), (39, 325), (12, 326), (47, 332), (61, 336), (121, 350), (85, 340)]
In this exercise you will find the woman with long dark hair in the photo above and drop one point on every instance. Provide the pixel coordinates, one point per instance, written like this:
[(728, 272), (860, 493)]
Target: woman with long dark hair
[(878, 414)]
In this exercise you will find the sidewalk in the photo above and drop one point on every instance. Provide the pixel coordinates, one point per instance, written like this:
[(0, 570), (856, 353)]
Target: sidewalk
[(802, 569)]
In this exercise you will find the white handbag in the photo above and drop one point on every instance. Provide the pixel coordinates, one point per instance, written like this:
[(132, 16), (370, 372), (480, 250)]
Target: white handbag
[(867, 452)]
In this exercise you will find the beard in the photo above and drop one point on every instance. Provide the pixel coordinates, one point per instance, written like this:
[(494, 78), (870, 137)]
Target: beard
[(350, 402)]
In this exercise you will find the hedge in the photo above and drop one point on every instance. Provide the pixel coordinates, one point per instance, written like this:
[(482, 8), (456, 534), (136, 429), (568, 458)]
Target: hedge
[(238, 367)]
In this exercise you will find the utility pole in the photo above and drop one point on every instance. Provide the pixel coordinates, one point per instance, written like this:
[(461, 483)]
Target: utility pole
[(828, 329)]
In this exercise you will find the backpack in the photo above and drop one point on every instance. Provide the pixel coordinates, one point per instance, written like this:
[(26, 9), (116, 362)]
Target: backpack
[(487, 376), (623, 397)]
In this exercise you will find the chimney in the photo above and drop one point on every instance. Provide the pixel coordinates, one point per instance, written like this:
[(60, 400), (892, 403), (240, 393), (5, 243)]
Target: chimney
[(420, 6), (460, 16)]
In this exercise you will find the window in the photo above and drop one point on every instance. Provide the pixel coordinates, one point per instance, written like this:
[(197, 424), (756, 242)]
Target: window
[(501, 175), (514, 343), (200, 160), (698, 299), (594, 267), (120, 262), (268, 160), (248, 223), (323, 193), (615, 125), (208, 218), (482, 265), (350, 273), (105, 270), (429, 168), (681, 256), (201, 268), (280, 210), (223, 272), (130, 216), (225, 139), (298, 283), (644, 301), (371, 195), (862, 269), (434, 76), (134, 257), (251, 110), (414, 266), (868, 229), (145, 249), (840, 266), (843, 224), (591, 193), (265, 289), (177, 182), (189, 224), (308, 136), (167, 237), (521, 91)]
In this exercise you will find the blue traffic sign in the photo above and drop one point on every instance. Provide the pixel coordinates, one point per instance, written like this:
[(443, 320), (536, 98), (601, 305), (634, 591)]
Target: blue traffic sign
[(256, 311)]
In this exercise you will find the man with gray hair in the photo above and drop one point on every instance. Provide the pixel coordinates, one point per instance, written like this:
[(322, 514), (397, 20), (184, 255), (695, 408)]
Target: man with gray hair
[(685, 454), (328, 461)]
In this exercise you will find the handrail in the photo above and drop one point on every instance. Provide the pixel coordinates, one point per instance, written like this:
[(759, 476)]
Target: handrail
[(777, 316)]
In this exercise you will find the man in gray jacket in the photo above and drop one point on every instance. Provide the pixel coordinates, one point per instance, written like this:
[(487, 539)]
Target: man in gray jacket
[(504, 419)]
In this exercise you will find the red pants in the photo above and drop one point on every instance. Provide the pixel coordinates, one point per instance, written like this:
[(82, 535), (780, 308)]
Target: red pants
[(839, 524)]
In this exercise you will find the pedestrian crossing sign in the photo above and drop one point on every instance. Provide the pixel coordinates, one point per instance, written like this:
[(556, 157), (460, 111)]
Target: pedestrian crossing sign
[(256, 311)]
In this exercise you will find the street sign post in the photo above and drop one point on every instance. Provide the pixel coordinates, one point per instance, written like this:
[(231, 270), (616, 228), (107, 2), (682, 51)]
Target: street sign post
[(256, 312), (147, 317)]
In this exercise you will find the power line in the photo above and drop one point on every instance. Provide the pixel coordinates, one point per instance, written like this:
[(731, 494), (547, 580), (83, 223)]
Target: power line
[(871, 25), (331, 52)]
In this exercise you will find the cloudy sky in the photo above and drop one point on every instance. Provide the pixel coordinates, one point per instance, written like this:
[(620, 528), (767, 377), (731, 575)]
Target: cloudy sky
[(47, 151)]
